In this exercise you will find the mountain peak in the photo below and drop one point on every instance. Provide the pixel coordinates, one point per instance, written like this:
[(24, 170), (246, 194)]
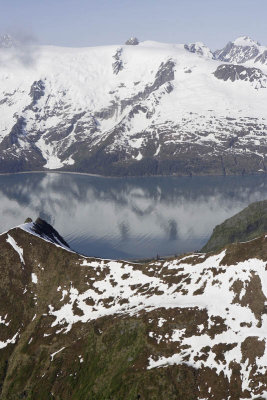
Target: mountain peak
[(133, 41), (245, 41), (199, 48), (239, 51), (44, 230)]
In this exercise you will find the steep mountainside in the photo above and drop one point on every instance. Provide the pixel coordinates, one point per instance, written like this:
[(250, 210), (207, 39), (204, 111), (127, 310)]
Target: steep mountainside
[(246, 225), (134, 109), (73, 327), (243, 49)]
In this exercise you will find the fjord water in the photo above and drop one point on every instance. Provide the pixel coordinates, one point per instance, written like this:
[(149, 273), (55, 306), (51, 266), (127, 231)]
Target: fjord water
[(129, 218)]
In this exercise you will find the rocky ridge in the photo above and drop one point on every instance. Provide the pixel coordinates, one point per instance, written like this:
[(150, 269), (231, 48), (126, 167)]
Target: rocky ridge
[(243, 49), (73, 327)]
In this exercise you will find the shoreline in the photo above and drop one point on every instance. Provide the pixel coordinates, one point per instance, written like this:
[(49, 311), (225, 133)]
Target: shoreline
[(131, 176), (54, 172)]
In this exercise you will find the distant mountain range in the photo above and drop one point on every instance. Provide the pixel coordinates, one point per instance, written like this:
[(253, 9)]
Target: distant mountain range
[(74, 327), (135, 109)]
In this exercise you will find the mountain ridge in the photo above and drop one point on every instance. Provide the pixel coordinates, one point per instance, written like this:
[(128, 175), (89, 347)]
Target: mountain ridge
[(146, 109), (84, 328)]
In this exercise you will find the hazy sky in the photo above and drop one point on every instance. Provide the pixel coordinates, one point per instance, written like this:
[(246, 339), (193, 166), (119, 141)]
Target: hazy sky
[(97, 22)]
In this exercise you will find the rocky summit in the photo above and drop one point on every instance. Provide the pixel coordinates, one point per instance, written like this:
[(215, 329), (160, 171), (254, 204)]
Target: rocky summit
[(74, 327), (142, 108)]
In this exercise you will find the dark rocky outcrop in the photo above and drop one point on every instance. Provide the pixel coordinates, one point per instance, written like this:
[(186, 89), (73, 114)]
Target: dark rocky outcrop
[(17, 132), (37, 91), (239, 72), (118, 63), (46, 231), (133, 41)]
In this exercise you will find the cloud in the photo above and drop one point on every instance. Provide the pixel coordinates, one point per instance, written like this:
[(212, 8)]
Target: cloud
[(19, 46)]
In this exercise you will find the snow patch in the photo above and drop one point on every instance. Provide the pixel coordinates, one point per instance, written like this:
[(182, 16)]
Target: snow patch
[(56, 352), (34, 278), (18, 249), (9, 341)]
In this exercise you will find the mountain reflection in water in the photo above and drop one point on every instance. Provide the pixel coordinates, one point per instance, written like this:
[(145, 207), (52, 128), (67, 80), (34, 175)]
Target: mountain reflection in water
[(127, 217)]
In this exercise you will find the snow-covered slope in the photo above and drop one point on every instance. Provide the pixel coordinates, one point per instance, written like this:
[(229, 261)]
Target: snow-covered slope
[(148, 108), (202, 317)]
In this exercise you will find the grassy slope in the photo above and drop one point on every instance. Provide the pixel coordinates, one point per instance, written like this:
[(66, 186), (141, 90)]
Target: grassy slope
[(246, 225)]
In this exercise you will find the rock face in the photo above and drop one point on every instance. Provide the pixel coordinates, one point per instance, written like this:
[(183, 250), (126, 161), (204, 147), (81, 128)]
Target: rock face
[(47, 232), (151, 109), (200, 49), (73, 327), (243, 49), (133, 41), (239, 72), (246, 225), (118, 63)]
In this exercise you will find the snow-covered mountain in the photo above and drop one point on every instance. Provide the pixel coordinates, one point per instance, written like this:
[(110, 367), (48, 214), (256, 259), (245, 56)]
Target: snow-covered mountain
[(243, 49), (200, 49), (147, 108)]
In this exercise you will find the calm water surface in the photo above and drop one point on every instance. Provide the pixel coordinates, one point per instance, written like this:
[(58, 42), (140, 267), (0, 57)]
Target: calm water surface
[(127, 218)]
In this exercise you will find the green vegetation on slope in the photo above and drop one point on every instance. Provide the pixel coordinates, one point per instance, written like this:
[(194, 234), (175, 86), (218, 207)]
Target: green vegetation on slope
[(246, 225)]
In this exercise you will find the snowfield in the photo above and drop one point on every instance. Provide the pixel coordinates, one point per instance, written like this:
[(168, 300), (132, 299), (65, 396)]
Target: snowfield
[(60, 106)]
